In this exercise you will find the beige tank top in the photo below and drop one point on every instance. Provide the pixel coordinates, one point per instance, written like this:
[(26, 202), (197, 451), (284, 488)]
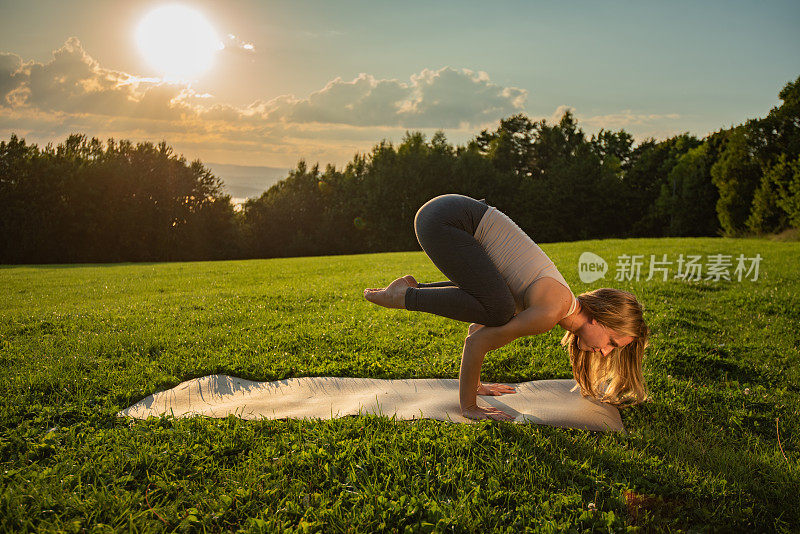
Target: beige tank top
[(520, 261)]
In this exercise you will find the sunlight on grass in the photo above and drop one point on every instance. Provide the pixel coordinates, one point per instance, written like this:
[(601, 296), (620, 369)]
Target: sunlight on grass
[(78, 343)]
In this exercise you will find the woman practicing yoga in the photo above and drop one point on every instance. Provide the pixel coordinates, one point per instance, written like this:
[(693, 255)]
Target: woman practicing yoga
[(507, 287)]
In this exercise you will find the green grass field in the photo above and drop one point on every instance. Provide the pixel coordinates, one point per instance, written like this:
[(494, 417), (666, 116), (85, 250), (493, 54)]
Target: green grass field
[(78, 343)]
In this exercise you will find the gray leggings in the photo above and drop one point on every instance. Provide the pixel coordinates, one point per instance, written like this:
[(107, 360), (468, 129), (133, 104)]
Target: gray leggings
[(475, 292)]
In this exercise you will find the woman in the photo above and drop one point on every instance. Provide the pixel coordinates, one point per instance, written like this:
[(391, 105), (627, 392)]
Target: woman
[(507, 287)]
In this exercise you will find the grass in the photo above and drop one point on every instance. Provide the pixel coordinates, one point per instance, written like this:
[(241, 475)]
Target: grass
[(78, 343)]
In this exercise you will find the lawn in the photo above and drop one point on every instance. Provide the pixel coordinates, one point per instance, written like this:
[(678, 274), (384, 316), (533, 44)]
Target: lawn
[(80, 342)]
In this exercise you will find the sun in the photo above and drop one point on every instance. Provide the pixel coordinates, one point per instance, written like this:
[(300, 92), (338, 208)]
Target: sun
[(177, 41)]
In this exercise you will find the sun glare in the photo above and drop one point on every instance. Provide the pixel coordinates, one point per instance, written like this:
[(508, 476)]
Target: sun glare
[(178, 41)]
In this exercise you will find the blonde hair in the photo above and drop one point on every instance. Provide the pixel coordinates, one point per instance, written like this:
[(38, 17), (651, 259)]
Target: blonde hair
[(617, 378)]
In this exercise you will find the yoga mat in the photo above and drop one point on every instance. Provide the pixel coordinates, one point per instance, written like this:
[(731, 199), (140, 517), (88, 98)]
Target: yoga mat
[(546, 402)]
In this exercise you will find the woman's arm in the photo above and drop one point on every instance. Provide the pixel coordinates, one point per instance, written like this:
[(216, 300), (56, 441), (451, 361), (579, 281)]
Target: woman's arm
[(468, 381), (532, 321), (528, 322)]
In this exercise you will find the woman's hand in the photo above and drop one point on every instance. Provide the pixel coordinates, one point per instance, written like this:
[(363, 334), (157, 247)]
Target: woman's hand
[(495, 389), (474, 412)]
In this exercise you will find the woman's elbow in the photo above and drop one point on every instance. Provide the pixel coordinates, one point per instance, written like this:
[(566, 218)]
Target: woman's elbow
[(487, 339), (475, 343)]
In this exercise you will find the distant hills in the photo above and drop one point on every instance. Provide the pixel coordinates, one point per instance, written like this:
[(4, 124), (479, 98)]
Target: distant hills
[(245, 181)]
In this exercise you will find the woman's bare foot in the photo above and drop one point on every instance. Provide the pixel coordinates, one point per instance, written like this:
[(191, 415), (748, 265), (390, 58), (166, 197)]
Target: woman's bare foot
[(393, 295)]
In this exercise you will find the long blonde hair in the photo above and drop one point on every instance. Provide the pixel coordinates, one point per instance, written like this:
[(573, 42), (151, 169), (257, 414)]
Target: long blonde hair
[(617, 378)]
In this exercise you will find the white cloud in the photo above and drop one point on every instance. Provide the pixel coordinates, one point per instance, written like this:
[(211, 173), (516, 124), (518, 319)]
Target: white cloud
[(613, 121), (627, 118), (74, 83), (232, 43), (445, 98), (640, 125), (73, 93)]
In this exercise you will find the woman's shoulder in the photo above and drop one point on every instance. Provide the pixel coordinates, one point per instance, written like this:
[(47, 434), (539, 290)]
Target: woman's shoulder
[(550, 293)]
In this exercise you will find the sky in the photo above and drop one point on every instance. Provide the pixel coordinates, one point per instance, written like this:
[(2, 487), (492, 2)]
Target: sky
[(323, 80)]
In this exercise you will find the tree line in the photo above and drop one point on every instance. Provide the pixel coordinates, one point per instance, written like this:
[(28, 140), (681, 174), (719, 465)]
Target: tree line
[(88, 201)]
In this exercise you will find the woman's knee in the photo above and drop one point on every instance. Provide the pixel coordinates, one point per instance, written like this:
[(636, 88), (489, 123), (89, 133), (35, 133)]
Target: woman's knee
[(427, 219), (438, 211)]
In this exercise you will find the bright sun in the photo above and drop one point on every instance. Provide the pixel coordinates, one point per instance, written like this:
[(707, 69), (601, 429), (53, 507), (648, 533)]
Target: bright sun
[(178, 41)]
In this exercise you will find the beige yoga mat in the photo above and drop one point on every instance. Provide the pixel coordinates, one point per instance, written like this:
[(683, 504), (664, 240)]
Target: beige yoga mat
[(546, 402)]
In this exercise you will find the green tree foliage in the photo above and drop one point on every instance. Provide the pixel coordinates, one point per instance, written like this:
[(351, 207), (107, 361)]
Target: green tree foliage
[(368, 206), (549, 178), (646, 185), (736, 174), (782, 185), (688, 198), (613, 148), (510, 147), (85, 201), (779, 132), (775, 144), (283, 222), (548, 173), (82, 201), (574, 196)]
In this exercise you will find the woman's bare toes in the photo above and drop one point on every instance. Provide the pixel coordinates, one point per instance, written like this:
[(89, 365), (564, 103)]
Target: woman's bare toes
[(380, 297), (392, 296), (371, 295)]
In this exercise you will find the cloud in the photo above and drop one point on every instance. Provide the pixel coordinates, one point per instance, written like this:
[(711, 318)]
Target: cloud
[(74, 83), (613, 121), (233, 43), (622, 119), (627, 118), (445, 98), (452, 98), (72, 92), (9, 65), (555, 118)]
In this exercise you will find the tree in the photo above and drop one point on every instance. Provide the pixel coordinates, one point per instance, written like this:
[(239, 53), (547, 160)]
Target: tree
[(510, 147), (613, 148), (775, 144), (81, 201), (736, 174), (779, 132), (645, 179), (783, 185), (690, 203)]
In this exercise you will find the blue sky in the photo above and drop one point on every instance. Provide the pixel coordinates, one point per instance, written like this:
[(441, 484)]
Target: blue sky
[(652, 68)]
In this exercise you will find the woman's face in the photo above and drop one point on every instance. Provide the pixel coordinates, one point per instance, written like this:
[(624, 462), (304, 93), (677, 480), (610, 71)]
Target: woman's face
[(595, 337)]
